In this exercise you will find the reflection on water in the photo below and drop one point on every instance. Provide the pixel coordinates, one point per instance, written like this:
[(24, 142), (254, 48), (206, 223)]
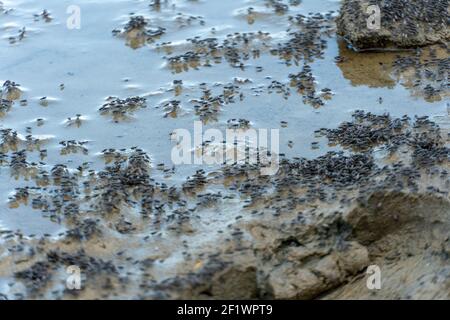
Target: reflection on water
[(424, 72), (372, 69)]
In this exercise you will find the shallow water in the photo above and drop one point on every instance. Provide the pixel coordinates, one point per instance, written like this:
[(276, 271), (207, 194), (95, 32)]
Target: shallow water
[(92, 64)]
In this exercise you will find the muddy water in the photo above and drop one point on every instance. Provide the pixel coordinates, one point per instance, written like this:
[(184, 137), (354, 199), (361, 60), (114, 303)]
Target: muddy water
[(64, 72)]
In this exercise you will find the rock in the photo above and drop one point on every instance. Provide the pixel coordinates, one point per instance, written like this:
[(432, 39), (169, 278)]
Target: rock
[(385, 213), (216, 278), (354, 258), (235, 284), (292, 283), (402, 23), (316, 274), (406, 236)]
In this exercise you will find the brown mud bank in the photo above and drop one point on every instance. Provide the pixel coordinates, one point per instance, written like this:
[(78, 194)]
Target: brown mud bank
[(407, 237), (401, 23)]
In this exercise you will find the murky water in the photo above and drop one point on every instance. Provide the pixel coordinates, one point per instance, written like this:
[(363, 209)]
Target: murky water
[(65, 76)]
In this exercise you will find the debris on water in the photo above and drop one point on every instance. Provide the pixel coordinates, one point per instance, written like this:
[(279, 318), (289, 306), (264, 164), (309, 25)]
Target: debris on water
[(137, 32), (121, 109), (10, 91), (425, 73), (74, 121), (238, 124), (20, 35), (44, 15), (73, 146)]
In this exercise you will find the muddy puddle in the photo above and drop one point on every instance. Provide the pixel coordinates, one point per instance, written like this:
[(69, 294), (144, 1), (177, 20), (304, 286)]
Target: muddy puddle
[(89, 104)]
